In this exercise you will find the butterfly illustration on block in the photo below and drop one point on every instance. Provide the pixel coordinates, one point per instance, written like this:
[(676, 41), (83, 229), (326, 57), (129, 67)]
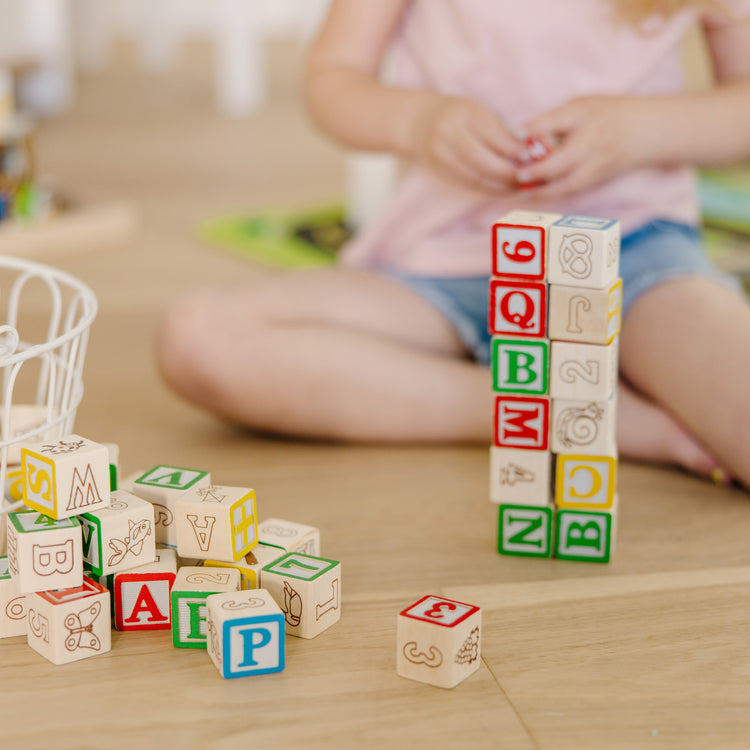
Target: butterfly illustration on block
[(80, 628), (133, 542)]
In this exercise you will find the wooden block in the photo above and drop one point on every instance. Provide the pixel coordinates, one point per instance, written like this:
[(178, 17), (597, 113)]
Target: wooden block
[(520, 476), (584, 252), (585, 482), (520, 366), (251, 565), (44, 553), (584, 372), (525, 531), (114, 464), (584, 427), (14, 483), (216, 522), (518, 308), (519, 245), (29, 419), (522, 422), (192, 587), (245, 633), (70, 624), (308, 590), (127, 483), (119, 537), (585, 536), (164, 486), (142, 595), (13, 604), (65, 477), (588, 316), (438, 641), (290, 536)]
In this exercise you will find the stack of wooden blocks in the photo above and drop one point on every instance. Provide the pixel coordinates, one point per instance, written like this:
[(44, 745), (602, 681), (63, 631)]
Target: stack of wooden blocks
[(555, 311), (172, 552)]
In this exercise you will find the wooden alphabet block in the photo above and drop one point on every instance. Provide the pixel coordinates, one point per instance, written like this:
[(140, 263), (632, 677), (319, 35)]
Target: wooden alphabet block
[(114, 464), (250, 565), (44, 553), (586, 482), (584, 252), (583, 372), (119, 537), (584, 427), (584, 536), (142, 595), (70, 624), (12, 604), (519, 245), (290, 536), (522, 422), (518, 308), (438, 641), (525, 531), (588, 316), (216, 522), (520, 476), (245, 633), (192, 587), (30, 419), (520, 366), (14, 483), (66, 477), (163, 486), (308, 590)]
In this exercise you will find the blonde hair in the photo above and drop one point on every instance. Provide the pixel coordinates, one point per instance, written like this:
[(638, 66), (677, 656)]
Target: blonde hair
[(636, 11)]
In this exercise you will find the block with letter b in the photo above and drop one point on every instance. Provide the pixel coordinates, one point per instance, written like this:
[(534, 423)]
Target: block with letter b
[(245, 633), (584, 252), (588, 316), (66, 477), (44, 553), (583, 371), (525, 531), (520, 366), (520, 476), (192, 587), (586, 482), (584, 426), (519, 245), (308, 590), (438, 641), (518, 308), (584, 536), (522, 422)]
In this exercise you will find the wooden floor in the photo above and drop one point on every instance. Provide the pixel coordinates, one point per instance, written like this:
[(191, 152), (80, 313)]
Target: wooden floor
[(649, 651)]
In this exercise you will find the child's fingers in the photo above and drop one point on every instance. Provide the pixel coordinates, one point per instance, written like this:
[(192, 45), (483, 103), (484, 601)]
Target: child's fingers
[(557, 121), (490, 130), (458, 167), (487, 164), (571, 183), (558, 164)]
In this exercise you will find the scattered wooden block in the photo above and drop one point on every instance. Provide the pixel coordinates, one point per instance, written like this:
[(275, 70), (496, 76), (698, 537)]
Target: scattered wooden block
[(585, 482), (308, 590), (520, 366), (216, 522), (44, 553), (584, 427), (519, 245), (584, 252), (290, 536), (66, 477), (585, 536), (12, 604), (192, 587), (525, 531), (438, 641), (588, 316), (522, 422), (70, 624), (245, 633), (520, 476), (119, 537), (142, 595), (250, 565), (30, 418), (163, 486), (584, 372), (518, 308)]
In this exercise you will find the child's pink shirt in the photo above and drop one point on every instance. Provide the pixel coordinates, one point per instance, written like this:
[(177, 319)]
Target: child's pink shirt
[(522, 58)]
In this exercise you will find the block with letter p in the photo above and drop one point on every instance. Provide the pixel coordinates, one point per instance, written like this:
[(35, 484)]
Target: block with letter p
[(520, 366), (519, 245), (522, 422), (245, 633), (518, 308)]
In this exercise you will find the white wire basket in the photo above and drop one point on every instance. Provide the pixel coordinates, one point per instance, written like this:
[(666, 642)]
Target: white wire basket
[(45, 317)]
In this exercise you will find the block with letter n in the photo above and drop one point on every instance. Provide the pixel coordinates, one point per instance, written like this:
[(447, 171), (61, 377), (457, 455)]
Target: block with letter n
[(245, 633), (525, 531), (308, 590), (584, 536), (520, 366)]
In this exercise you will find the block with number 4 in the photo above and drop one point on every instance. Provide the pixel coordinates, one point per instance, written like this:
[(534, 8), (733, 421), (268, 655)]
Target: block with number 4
[(192, 587), (519, 245), (66, 477), (245, 633), (525, 531), (308, 590), (12, 604), (438, 641)]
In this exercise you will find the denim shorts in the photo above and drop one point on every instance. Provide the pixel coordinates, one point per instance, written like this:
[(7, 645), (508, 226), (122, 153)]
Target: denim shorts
[(656, 252)]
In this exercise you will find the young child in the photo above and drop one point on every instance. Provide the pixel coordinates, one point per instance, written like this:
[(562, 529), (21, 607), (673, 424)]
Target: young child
[(393, 345)]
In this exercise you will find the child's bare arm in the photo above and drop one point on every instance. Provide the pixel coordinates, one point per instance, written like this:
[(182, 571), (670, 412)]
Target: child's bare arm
[(461, 139)]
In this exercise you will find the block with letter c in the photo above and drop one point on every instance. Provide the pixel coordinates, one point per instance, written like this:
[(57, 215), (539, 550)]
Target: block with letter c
[(586, 482)]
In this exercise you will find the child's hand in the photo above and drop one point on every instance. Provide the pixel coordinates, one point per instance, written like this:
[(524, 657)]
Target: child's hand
[(599, 138), (468, 143)]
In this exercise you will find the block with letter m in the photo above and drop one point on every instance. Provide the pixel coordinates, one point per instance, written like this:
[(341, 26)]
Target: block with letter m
[(522, 422)]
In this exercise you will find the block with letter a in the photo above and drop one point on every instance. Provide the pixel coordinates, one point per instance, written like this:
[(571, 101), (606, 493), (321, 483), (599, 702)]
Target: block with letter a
[(519, 245), (522, 422), (518, 308)]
